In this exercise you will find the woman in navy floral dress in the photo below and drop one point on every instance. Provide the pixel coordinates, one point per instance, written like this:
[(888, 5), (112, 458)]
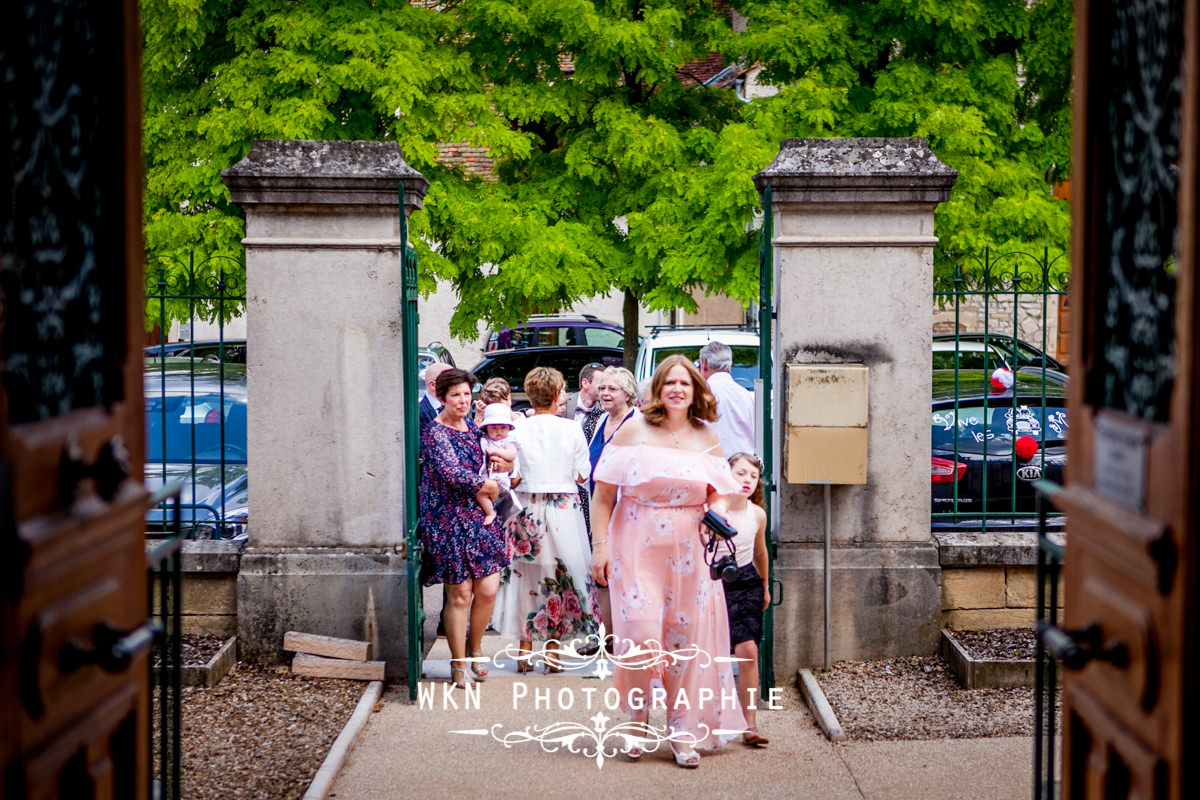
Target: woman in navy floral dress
[(467, 556)]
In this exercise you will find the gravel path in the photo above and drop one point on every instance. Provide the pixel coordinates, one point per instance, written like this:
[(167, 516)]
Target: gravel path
[(918, 698), (261, 733)]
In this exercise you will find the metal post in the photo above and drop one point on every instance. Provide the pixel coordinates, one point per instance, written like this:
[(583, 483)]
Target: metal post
[(828, 579)]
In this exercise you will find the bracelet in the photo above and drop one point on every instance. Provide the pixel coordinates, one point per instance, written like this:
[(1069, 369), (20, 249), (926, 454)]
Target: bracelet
[(599, 541)]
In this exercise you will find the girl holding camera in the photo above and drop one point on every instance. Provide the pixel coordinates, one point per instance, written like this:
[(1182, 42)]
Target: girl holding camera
[(649, 547), (747, 595)]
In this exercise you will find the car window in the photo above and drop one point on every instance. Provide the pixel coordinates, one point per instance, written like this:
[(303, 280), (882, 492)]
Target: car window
[(972, 425), (513, 368), (603, 337), (745, 361), (571, 362), (185, 429)]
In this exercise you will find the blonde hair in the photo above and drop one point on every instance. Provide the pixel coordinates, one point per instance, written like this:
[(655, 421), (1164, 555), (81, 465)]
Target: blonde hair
[(542, 385), (623, 380), (495, 390), (704, 405)]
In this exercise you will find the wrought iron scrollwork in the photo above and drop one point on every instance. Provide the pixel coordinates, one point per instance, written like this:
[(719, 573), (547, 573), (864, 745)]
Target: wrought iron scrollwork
[(62, 208), (1138, 182)]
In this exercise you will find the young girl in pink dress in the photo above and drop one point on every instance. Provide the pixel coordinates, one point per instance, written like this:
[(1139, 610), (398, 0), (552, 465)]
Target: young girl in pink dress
[(648, 546)]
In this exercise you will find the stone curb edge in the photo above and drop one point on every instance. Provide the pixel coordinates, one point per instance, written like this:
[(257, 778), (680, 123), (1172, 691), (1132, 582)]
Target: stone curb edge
[(819, 706), (322, 782)]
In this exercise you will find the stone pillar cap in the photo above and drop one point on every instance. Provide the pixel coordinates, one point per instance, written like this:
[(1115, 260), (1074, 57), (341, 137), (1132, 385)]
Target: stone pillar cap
[(856, 171), (286, 172)]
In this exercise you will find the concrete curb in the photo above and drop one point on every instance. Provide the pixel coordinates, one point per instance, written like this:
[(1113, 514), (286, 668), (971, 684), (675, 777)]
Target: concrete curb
[(810, 690), (322, 782)]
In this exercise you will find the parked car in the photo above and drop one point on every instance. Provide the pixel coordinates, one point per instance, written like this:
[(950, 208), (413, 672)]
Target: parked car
[(232, 351), (433, 353), (1016, 351), (1002, 439), (514, 365), (687, 341), (196, 432), (557, 330), (976, 354)]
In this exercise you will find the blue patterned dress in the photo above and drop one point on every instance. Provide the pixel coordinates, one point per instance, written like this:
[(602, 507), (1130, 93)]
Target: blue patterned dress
[(452, 528)]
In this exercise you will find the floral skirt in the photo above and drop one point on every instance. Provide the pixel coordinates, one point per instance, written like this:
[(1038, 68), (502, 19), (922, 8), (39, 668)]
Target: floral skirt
[(547, 592)]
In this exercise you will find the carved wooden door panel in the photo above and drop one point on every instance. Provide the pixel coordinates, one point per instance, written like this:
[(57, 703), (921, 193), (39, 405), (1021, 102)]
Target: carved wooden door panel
[(1130, 570), (74, 694)]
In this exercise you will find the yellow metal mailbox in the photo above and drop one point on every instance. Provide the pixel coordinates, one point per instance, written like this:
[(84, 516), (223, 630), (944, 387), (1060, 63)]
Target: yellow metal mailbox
[(827, 423)]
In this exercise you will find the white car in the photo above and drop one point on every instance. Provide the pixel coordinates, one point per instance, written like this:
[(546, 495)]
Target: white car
[(663, 342)]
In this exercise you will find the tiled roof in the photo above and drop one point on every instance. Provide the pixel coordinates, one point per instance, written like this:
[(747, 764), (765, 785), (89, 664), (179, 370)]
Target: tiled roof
[(467, 156)]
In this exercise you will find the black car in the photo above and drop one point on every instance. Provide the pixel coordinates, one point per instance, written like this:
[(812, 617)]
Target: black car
[(990, 446), (231, 351), (1016, 351), (514, 365)]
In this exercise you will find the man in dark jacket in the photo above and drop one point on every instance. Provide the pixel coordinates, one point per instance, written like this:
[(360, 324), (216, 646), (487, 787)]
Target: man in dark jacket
[(430, 406)]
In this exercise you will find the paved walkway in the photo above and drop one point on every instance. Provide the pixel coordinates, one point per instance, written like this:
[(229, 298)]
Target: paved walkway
[(408, 750)]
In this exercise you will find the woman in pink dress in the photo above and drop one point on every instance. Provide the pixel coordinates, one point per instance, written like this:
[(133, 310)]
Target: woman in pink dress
[(648, 546)]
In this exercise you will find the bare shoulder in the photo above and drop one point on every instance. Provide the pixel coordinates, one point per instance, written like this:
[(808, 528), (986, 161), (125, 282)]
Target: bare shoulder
[(760, 516), (633, 432), (707, 436)]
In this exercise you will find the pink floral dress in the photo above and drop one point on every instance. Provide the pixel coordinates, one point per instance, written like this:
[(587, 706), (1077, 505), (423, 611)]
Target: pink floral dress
[(660, 587)]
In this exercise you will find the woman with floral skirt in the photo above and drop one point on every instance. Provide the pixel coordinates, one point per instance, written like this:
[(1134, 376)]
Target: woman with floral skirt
[(547, 592)]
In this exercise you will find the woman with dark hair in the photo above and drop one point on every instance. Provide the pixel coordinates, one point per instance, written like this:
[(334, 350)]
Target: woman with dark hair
[(747, 595), (649, 546), (467, 555)]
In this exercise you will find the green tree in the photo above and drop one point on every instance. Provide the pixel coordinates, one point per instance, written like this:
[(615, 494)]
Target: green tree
[(987, 82), (614, 168)]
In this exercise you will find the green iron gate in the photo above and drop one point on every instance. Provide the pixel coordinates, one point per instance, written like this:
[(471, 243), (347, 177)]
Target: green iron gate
[(766, 313), (412, 458)]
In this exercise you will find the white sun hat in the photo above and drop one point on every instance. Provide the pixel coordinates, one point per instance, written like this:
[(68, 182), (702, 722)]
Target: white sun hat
[(496, 414)]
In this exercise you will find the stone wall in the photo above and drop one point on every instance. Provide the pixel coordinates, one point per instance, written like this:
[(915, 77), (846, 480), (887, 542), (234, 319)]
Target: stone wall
[(988, 580), (209, 595), (999, 315)]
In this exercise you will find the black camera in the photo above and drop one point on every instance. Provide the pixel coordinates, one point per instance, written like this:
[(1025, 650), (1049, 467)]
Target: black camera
[(717, 524), (724, 569)]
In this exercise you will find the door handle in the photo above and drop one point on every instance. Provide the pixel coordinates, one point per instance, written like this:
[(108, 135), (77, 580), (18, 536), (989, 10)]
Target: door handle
[(1075, 649), (114, 649), (108, 471)]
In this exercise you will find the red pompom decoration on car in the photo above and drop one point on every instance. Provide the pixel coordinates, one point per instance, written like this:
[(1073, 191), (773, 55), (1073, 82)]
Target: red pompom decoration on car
[(1026, 447), (1002, 379)]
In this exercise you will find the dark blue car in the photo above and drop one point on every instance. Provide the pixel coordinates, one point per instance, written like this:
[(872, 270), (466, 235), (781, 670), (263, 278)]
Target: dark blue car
[(990, 445)]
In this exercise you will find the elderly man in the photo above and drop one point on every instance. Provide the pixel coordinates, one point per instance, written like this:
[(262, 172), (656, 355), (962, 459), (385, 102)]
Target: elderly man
[(735, 405), (429, 405)]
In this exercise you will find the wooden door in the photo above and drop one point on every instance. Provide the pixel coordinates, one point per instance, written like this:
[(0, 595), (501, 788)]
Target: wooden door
[(74, 694), (1131, 569)]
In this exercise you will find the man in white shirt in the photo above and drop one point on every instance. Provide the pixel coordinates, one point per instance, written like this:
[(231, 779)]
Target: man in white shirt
[(735, 405)]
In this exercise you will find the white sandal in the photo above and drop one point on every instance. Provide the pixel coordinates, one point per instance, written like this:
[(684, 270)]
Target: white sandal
[(688, 759)]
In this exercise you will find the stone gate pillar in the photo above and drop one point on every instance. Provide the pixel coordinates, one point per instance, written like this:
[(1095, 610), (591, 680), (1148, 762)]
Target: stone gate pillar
[(326, 388), (854, 241)]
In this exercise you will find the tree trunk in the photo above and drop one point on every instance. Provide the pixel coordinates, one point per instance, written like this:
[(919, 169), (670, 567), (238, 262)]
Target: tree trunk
[(630, 318)]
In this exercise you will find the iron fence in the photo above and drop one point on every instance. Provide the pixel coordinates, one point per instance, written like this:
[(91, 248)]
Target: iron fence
[(1047, 755), (999, 420), (166, 662), (195, 393)]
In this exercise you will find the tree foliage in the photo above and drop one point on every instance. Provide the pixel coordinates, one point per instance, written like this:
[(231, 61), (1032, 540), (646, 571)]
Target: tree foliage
[(614, 168)]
